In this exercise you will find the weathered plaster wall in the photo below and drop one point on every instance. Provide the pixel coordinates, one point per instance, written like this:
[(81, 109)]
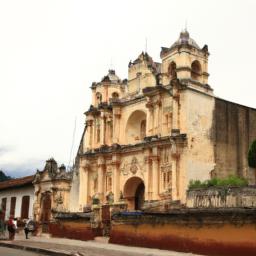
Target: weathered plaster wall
[(74, 192), (235, 129), (203, 232), (79, 229), (195, 119)]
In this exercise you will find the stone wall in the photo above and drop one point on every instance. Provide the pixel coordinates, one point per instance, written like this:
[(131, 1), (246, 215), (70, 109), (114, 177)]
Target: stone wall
[(222, 197), (234, 131), (209, 232)]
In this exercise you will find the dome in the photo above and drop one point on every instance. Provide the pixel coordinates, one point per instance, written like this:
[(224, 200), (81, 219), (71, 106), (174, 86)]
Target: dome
[(111, 77), (185, 39)]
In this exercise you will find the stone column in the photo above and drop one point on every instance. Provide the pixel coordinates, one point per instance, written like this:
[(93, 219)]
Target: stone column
[(156, 118), (101, 171), (116, 178), (94, 132), (102, 129), (175, 113), (116, 125), (174, 181), (160, 116), (147, 175), (155, 174), (150, 119), (88, 137)]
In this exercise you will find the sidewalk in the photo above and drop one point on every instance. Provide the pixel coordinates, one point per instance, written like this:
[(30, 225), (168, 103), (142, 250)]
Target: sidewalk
[(62, 246)]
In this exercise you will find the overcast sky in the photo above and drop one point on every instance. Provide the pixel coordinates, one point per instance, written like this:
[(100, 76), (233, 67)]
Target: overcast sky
[(51, 52)]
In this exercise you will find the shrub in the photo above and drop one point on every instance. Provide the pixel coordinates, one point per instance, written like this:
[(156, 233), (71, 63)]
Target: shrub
[(252, 155), (217, 182)]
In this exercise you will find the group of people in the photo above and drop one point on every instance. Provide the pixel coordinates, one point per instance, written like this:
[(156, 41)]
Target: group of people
[(12, 227)]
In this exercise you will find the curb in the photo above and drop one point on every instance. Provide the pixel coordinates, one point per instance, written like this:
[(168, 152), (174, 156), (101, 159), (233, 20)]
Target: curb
[(34, 249)]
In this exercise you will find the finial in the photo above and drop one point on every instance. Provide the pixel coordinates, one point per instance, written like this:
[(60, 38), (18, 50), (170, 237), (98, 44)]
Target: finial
[(186, 25), (146, 44)]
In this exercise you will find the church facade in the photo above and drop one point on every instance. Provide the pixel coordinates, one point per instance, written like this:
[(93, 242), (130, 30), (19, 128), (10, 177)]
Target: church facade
[(147, 136)]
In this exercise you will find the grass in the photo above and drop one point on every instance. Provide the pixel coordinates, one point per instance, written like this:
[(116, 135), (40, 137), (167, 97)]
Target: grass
[(217, 182)]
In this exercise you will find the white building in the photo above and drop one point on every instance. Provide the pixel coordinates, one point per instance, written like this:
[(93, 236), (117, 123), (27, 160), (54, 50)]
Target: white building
[(17, 197)]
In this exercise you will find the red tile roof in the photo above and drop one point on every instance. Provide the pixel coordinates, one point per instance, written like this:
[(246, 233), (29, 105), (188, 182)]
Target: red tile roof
[(12, 183)]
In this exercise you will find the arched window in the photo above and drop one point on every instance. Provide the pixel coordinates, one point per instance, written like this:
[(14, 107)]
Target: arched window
[(115, 95), (195, 70), (172, 70), (98, 98), (108, 182), (136, 127)]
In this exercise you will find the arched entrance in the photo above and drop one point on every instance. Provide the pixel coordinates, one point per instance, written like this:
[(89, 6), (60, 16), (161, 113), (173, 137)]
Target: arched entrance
[(134, 190)]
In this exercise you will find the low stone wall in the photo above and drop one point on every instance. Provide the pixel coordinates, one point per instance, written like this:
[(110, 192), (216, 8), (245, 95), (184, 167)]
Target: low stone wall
[(74, 226), (222, 197), (209, 231)]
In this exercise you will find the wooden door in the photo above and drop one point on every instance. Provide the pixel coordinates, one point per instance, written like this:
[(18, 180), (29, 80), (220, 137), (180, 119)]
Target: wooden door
[(13, 205), (46, 207), (3, 206), (25, 207)]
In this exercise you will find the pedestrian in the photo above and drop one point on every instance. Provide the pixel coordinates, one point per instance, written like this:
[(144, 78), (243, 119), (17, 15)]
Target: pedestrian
[(15, 223), (11, 228), (29, 227)]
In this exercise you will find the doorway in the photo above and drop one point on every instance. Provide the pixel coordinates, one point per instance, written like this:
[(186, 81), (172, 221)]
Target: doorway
[(45, 211), (134, 190)]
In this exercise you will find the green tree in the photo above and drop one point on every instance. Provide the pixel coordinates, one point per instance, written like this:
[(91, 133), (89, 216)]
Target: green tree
[(3, 177), (252, 155)]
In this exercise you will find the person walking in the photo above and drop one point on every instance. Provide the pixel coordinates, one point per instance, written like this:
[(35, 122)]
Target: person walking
[(29, 227), (11, 228)]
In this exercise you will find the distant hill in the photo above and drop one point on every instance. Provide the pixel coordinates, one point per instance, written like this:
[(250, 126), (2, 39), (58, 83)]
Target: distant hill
[(4, 177)]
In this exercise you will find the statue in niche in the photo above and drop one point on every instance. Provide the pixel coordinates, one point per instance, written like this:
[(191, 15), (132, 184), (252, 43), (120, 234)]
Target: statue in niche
[(110, 198)]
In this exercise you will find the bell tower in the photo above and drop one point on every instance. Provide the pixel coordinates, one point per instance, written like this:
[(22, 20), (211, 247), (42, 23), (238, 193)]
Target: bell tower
[(185, 61)]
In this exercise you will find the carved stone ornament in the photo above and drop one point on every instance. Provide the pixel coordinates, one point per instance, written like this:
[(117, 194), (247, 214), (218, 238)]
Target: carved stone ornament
[(124, 169), (134, 167), (59, 199)]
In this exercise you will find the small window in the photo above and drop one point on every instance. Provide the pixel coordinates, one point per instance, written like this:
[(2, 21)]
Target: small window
[(166, 178), (98, 98), (115, 95), (195, 70), (109, 183), (172, 70)]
